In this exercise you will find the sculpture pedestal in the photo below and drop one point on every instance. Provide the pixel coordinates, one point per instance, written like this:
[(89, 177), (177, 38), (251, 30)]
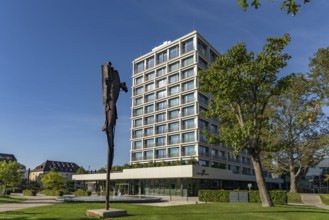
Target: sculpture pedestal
[(103, 213)]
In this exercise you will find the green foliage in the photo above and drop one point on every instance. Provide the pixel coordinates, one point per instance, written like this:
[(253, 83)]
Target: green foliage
[(29, 192), (81, 192), (278, 197), (294, 198), (53, 180), (291, 6), (9, 175), (325, 198), (52, 192), (81, 170), (214, 195), (103, 170)]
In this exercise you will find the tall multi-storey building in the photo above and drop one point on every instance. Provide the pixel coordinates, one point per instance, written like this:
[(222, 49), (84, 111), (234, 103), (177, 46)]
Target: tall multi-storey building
[(167, 107)]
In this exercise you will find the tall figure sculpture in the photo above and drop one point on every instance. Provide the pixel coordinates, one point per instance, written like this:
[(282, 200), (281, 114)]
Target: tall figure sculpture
[(111, 86)]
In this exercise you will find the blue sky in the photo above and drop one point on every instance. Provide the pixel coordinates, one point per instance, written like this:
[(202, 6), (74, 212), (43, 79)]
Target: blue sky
[(51, 54)]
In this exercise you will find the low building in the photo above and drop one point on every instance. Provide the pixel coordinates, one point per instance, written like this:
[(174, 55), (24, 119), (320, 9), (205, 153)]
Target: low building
[(7, 157), (66, 169)]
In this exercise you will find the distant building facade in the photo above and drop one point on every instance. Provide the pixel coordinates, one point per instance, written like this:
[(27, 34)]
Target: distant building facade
[(66, 169), (7, 157)]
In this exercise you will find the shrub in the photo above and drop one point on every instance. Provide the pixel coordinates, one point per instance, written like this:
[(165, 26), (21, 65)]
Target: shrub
[(81, 192), (294, 198), (52, 192), (279, 197), (214, 195), (254, 196), (29, 192), (325, 199)]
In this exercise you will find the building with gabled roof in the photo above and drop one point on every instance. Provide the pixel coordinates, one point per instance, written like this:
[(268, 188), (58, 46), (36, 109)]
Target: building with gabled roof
[(66, 169), (7, 157)]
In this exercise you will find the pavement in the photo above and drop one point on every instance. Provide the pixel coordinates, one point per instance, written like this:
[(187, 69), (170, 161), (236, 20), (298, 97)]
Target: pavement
[(32, 201)]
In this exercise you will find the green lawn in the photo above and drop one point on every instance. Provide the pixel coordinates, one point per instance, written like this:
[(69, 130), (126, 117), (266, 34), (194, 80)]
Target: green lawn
[(224, 211), (7, 199)]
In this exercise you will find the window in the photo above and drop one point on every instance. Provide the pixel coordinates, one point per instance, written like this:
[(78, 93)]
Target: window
[(202, 110), (161, 129), (162, 82), (149, 62), (149, 120), (161, 153), (187, 73), (188, 137), (161, 117), (187, 46), (138, 122), (138, 80), (149, 98), (173, 52), (214, 129), (188, 111), (203, 63), (188, 85), (139, 90), (173, 114), (173, 139), (149, 76), (149, 87), (204, 163), (187, 61), (148, 155), (213, 56), (204, 151), (138, 133), (161, 57), (173, 152), (173, 102), (187, 124), (139, 67), (161, 105), (202, 48), (173, 78), (173, 66), (149, 109), (148, 131), (137, 156), (138, 101), (188, 98), (138, 111), (203, 99), (173, 126), (137, 145), (203, 138), (161, 72), (188, 150), (149, 143), (173, 90), (214, 153), (203, 124), (161, 94), (160, 141)]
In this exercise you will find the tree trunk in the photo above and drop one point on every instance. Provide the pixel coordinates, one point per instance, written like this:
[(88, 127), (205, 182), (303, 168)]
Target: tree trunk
[(263, 192), (293, 188)]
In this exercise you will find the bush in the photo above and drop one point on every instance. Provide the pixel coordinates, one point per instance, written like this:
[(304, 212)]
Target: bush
[(294, 198), (214, 195), (29, 192), (52, 192), (278, 197), (324, 198), (81, 192)]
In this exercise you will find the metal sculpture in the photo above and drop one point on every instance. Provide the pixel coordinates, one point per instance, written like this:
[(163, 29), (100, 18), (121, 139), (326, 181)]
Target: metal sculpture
[(111, 86)]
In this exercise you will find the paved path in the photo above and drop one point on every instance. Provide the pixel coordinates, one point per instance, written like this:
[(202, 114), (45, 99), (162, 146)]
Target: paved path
[(32, 201), (311, 200)]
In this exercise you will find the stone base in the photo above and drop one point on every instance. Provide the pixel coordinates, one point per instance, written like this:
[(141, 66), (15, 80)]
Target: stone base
[(103, 213)]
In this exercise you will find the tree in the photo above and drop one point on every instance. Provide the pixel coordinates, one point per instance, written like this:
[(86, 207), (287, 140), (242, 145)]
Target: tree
[(9, 175), (81, 170), (291, 6), (241, 85), (53, 180), (299, 138)]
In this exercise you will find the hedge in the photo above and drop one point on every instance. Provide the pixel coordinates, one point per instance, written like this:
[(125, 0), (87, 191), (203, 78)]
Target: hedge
[(81, 192), (278, 197), (29, 192), (49, 192)]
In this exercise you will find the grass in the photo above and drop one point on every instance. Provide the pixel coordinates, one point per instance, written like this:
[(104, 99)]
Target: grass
[(210, 211), (7, 199), (325, 198), (294, 198)]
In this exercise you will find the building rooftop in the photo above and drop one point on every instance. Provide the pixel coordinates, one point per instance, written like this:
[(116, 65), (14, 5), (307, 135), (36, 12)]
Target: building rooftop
[(7, 157), (58, 166)]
